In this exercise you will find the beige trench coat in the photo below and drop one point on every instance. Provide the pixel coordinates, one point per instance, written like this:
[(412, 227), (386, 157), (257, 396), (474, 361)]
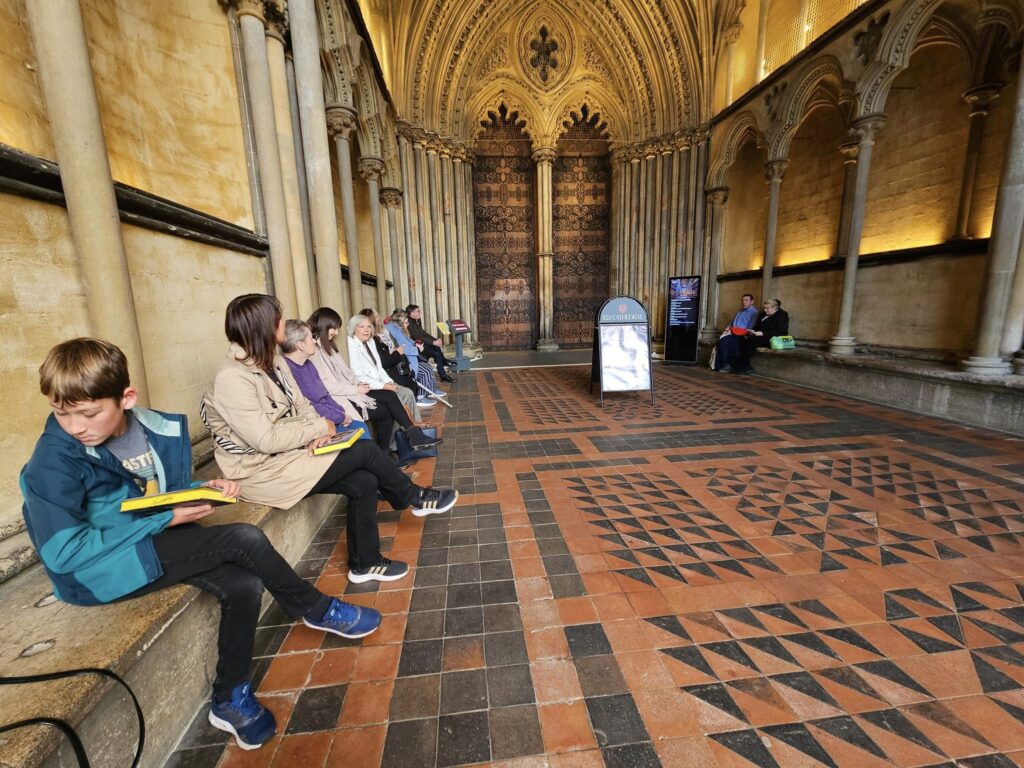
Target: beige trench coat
[(260, 437)]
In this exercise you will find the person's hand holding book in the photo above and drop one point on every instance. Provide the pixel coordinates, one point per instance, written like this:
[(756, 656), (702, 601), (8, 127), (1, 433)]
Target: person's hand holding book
[(190, 513)]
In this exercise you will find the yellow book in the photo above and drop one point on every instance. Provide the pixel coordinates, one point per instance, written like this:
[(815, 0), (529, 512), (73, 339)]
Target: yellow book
[(196, 496), (340, 441), (443, 328)]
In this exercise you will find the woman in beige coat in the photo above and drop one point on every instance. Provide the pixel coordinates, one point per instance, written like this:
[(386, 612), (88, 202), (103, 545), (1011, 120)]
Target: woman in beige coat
[(265, 431)]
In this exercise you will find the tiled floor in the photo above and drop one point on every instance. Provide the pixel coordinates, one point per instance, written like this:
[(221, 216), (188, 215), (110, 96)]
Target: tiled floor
[(748, 574)]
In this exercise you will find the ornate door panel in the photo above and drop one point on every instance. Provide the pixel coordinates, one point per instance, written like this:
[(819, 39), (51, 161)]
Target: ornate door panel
[(506, 273), (582, 179)]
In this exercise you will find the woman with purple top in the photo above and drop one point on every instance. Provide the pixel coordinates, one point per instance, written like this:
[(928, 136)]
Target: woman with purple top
[(298, 347)]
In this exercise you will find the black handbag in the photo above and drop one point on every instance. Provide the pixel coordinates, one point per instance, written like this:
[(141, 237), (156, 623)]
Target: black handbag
[(405, 451)]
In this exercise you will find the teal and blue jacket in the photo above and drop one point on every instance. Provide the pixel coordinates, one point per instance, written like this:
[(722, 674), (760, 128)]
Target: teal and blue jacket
[(93, 552)]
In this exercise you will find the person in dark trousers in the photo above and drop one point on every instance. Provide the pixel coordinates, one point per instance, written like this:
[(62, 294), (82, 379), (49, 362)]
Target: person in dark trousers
[(432, 347), (773, 322), (100, 448)]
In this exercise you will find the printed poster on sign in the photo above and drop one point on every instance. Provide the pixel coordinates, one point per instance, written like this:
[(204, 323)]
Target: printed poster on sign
[(625, 358)]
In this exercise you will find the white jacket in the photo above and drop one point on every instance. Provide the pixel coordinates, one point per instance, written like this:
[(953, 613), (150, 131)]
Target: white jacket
[(366, 364)]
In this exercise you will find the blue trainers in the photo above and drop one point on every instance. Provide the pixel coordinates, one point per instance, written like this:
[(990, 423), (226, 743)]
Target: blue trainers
[(347, 620), (251, 723)]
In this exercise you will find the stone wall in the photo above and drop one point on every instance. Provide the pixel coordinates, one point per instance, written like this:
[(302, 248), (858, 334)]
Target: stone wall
[(23, 120), (745, 212), (990, 161)]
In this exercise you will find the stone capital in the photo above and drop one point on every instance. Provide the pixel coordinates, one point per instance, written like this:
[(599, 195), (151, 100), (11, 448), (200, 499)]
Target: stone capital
[(276, 14), (718, 196), (371, 168), (732, 33), (980, 98), (391, 197), (774, 170), (341, 120), (864, 128), (849, 150), (458, 153), (543, 155), (246, 8)]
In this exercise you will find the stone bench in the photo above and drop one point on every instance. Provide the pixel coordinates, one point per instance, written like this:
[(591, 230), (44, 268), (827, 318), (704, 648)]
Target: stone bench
[(164, 645)]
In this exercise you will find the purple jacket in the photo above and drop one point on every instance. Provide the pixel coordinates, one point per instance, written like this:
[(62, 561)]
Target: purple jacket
[(313, 388)]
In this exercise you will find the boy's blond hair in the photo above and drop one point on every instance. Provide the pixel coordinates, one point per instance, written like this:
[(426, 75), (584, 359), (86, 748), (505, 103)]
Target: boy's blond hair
[(83, 369)]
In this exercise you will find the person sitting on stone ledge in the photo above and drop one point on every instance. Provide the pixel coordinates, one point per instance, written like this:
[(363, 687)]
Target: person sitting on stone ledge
[(727, 349), (392, 356), (774, 321), (100, 448), (265, 432), (398, 327), (366, 362), (432, 346)]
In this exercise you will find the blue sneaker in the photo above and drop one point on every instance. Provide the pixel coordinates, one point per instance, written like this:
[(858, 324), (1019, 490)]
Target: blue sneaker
[(251, 723), (347, 620)]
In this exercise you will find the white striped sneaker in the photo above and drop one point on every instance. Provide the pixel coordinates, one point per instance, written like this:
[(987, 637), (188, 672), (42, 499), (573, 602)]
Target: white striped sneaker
[(434, 501), (382, 570)]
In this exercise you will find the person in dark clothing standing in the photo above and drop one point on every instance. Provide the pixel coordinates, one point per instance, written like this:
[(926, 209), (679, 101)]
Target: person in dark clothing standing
[(774, 321), (432, 347)]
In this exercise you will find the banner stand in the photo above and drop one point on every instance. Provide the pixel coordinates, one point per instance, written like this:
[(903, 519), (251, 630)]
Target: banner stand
[(621, 359)]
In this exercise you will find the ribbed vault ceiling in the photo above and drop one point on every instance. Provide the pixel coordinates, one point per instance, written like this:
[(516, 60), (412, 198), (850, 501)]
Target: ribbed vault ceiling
[(644, 65)]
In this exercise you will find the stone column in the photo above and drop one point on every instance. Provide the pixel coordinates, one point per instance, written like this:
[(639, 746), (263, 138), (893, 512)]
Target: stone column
[(257, 69), (978, 100), (277, 26), (371, 169), (449, 257), (864, 130), (316, 151), (699, 207), (341, 120), (665, 251), (773, 171), (300, 166), (409, 219), (762, 31), (643, 242), (1001, 319), (435, 269), (391, 199), (684, 221), (473, 319), (545, 160), (849, 151), (654, 201), (732, 34), (616, 222), (632, 282), (461, 234), (717, 198), (424, 269), (672, 252), (65, 77)]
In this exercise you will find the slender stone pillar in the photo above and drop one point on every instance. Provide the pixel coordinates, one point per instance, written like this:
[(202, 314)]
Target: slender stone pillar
[(864, 130), (277, 27), (317, 154), (257, 68), (643, 248), (409, 219), (717, 198), (424, 269), (473, 319), (1001, 319), (391, 199), (654, 203), (435, 271), (683, 203), (616, 223), (371, 169), (762, 33), (773, 171), (632, 286), (978, 99), (665, 250), (545, 160), (450, 257), (464, 269), (672, 252), (849, 151), (732, 34), (699, 207), (341, 121), (300, 166), (65, 76)]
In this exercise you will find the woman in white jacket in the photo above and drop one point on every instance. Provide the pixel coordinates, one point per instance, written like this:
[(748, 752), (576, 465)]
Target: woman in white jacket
[(365, 362)]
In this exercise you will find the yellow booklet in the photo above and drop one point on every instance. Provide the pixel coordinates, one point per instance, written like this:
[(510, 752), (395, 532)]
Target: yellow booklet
[(340, 441), (156, 502)]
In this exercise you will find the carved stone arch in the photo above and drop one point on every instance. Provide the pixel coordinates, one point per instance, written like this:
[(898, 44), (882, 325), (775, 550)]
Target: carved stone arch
[(371, 128), (598, 101), (332, 88), (942, 29), (513, 95), (740, 129), (892, 55), (1005, 13), (389, 150), (820, 81), (335, 52)]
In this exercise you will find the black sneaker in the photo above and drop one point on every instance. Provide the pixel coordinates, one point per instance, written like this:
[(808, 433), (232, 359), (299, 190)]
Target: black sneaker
[(420, 440), (433, 501), (382, 570)]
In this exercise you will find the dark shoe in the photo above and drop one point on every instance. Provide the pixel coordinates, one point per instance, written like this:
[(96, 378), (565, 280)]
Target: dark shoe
[(351, 621), (447, 378), (382, 570), (251, 723), (433, 501), (420, 440), (725, 369)]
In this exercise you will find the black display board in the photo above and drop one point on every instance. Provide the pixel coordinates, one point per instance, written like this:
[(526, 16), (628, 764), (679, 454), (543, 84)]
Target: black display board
[(621, 360), (682, 321)]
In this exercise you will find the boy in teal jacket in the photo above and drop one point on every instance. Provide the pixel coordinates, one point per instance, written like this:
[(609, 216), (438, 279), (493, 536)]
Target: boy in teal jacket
[(99, 448)]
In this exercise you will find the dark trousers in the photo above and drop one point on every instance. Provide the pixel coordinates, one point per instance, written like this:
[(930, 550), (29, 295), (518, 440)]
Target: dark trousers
[(748, 346), (358, 473), (727, 350), (233, 563), (436, 354), (390, 407)]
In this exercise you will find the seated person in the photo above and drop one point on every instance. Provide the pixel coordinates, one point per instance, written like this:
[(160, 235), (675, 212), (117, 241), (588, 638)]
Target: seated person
[(433, 349), (773, 322), (392, 356), (265, 432), (341, 381), (366, 364), (398, 327), (99, 447), (728, 347), (298, 348)]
